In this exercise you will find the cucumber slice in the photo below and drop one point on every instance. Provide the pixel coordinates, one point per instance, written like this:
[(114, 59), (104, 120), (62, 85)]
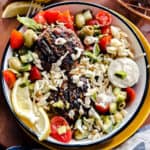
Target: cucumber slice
[(87, 14), (25, 68), (79, 20), (27, 58)]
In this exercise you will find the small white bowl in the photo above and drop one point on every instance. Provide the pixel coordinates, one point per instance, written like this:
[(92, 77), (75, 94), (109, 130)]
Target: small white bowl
[(140, 88)]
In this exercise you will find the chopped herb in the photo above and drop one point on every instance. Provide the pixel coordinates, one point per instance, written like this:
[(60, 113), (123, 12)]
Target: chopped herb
[(96, 49), (91, 56), (121, 74)]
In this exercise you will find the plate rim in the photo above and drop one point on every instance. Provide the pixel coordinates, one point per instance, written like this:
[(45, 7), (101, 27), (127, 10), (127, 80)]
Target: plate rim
[(120, 129)]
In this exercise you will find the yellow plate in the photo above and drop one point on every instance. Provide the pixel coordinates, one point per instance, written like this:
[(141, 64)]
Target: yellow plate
[(145, 109)]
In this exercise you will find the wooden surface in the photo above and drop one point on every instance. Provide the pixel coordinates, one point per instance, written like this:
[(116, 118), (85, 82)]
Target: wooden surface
[(10, 132)]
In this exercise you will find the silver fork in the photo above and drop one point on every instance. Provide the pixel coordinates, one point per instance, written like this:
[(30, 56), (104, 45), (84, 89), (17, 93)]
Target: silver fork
[(32, 10)]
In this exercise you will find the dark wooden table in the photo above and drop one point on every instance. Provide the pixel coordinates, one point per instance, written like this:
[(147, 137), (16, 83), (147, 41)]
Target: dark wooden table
[(10, 132)]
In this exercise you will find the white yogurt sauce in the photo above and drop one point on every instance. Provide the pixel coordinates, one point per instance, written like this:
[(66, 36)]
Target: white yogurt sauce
[(127, 65)]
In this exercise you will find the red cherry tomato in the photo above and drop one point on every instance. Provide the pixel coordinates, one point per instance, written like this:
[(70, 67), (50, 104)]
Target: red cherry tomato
[(102, 107), (10, 78), (51, 16), (104, 41), (104, 18), (57, 122), (67, 19), (35, 74), (131, 94), (92, 22), (39, 18), (16, 39), (106, 30)]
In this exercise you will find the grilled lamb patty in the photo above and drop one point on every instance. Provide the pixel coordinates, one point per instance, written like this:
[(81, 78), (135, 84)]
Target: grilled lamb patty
[(49, 52)]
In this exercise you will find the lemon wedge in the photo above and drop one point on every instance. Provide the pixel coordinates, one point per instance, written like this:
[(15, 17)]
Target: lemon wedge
[(22, 103), (42, 126), (30, 114), (18, 8)]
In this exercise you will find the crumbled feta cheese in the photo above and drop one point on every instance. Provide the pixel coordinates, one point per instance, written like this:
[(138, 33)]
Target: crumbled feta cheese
[(57, 75), (79, 52), (71, 114), (59, 62), (87, 101), (115, 42), (123, 34), (75, 78), (115, 32), (91, 91), (124, 112), (90, 40), (37, 61), (111, 50), (80, 84), (94, 114), (60, 41), (103, 98), (81, 110), (124, 42)]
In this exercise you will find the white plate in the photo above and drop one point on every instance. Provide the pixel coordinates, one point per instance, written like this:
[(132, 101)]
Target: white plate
[(140, 87)]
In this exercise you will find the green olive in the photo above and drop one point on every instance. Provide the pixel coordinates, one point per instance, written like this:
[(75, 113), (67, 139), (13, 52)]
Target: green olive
[(88, 30), (29, 37), (14, 63)]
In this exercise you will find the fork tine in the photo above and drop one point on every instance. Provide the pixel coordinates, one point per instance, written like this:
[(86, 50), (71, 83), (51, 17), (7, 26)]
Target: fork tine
[(35, 10), (30, 9)]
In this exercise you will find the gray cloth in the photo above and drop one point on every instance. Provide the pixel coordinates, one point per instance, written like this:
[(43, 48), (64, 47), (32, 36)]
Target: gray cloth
[(139, 141)]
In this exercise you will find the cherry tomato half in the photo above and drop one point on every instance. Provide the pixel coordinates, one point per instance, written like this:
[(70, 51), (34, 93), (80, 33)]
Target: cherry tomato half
[(10, 78), (104, 41), (104, 18), (67, 19), (16, 39), (35, 74), (131, 94), (106, 30), (92, 22), (56, 123), (51, 16), (102, 107), (39, 18)]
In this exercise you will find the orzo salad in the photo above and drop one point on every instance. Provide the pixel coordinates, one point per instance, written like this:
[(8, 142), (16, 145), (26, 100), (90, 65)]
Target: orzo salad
[(77, 70)]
